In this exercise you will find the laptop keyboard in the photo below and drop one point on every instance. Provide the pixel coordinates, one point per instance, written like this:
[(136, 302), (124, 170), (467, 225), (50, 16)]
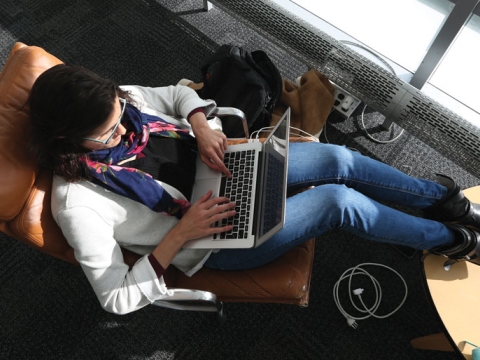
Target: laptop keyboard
[(272, 208), (238, 189)]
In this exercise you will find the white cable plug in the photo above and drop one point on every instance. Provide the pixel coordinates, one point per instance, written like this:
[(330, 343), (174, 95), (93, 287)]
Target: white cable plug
[(346, 103), (358, 291), (351, 322)]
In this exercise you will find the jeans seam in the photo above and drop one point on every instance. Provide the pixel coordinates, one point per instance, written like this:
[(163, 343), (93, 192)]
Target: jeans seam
[(325, 181)]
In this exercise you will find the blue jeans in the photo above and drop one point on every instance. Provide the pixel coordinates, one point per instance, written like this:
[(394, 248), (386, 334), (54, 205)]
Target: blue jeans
[(348, 190)]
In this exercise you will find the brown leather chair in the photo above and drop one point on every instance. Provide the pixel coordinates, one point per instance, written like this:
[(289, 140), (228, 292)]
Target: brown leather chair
[(25, 213)]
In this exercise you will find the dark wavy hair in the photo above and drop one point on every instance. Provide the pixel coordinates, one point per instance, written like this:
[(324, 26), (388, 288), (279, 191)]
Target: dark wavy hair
[(66, 103)]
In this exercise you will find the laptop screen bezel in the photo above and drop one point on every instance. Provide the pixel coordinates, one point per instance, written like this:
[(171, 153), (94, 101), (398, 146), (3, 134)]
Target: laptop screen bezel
[(260, 239)]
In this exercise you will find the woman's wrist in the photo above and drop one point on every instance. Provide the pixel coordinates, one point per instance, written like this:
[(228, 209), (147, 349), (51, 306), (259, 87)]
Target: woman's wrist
[(157, 267), (168, 248), (197, 119), (195, 111), (175, 236)]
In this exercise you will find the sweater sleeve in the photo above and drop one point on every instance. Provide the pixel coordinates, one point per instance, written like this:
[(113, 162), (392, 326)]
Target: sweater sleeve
[(174, 100), (118, 289)]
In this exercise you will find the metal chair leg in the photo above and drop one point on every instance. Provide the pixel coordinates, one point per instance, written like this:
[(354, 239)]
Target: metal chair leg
[(207, 5)]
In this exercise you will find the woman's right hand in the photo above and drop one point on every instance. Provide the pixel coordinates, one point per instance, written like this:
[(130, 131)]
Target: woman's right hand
[(197, 222), (200, 219)]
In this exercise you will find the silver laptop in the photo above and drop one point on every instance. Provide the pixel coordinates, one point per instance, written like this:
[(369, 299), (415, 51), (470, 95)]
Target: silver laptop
[(258, 185)]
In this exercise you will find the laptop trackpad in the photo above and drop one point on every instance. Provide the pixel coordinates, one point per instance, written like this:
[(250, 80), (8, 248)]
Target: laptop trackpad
[(201, 187)]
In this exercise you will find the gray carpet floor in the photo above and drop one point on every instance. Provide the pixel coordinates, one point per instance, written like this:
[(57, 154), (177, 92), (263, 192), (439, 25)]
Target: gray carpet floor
[(47, 308)]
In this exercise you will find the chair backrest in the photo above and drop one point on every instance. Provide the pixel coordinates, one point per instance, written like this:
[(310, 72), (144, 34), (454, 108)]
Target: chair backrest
[(24, 189)]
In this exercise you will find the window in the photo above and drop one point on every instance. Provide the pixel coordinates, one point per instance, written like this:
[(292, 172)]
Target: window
[(432, 44), (458, 75), (401, 30)]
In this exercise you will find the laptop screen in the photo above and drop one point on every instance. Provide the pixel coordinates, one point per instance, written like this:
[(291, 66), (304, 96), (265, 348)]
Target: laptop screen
[(274, 184)]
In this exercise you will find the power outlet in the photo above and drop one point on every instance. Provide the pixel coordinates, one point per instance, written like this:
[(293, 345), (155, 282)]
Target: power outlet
[(345, 103)]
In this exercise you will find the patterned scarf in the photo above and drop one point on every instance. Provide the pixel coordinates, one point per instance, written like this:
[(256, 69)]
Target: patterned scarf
[(132, 183)]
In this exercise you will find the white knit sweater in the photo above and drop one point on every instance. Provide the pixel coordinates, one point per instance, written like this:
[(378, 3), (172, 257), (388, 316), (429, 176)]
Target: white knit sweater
[(96, 222)]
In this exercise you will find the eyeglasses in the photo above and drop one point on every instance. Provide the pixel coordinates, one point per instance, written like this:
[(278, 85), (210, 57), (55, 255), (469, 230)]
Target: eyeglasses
[(123, 104)]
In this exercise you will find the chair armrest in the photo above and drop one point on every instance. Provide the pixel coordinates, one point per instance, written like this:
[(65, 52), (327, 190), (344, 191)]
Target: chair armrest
[(230, 111), (187, 299)]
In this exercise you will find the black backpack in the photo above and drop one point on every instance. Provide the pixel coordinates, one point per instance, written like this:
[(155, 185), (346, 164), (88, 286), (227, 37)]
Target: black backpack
[(248, 81)]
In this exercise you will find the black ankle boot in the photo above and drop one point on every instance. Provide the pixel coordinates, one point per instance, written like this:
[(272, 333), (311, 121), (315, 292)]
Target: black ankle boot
[(465, 248), (454, 207)]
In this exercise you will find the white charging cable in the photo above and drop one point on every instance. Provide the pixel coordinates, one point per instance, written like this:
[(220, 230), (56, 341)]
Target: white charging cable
[(357, 270), (390, 68), (306, 135)]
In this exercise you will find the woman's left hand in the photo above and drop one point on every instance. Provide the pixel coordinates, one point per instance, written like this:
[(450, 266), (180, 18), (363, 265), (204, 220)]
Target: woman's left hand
[(211, 144)]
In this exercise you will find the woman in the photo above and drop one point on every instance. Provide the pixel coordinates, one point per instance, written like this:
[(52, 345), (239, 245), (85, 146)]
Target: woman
[(95, 136)]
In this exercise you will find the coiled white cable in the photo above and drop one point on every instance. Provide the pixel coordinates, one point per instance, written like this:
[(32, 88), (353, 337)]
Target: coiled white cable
[(357, 270), (390, 68), (364, 128)]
